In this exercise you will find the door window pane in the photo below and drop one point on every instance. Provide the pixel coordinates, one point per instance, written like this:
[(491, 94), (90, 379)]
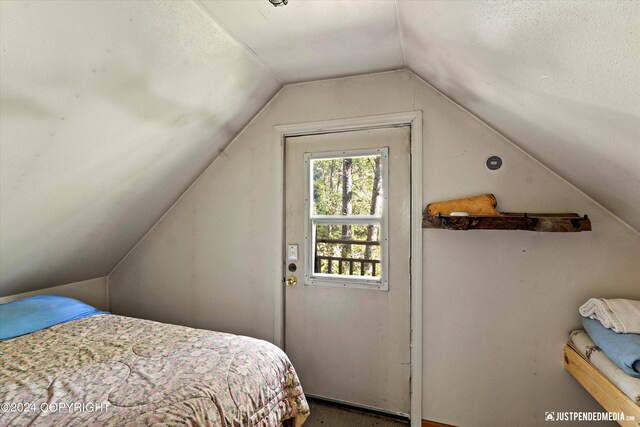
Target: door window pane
[(348, 250), (347, 186), (346, 224)]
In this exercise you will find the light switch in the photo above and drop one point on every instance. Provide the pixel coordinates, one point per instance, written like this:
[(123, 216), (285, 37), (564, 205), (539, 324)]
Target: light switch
[(292, 252)]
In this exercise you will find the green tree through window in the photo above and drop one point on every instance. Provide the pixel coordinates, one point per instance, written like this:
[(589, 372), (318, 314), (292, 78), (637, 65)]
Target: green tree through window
[(350, 186)]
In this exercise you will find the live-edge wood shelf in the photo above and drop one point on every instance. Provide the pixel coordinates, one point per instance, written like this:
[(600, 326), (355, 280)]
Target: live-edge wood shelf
[(563, 222)]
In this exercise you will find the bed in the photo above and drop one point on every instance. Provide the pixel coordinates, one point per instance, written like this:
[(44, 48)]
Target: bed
[(109, 370), (615, 390)]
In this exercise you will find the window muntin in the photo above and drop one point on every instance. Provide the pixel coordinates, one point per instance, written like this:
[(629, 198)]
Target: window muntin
[(346, 206)]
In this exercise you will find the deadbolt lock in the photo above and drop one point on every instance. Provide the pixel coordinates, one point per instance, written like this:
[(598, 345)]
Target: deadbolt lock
[(292, 281)]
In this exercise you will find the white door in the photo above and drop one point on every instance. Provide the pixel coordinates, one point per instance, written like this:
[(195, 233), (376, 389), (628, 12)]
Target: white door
[(347, 318)]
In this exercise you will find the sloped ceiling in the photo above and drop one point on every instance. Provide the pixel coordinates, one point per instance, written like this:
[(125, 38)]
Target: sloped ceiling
[(111, 109), (560, 79), (315, 39)]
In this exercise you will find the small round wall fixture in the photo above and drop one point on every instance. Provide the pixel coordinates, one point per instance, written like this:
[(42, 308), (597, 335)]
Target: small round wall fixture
[(277, 3), (494, 163)]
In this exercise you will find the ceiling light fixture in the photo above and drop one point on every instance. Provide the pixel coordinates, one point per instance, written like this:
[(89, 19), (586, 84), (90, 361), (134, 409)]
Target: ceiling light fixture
[(277, 3)]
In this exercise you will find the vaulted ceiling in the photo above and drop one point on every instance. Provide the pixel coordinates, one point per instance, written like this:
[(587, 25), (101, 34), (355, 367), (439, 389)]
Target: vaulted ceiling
[(109, 110)]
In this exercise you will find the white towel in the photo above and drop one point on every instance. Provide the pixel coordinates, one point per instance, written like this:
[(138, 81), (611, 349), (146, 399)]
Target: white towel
[(620, 315)]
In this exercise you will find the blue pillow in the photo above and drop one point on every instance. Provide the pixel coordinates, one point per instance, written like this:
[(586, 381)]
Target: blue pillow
[(32, 314), (622, 349)]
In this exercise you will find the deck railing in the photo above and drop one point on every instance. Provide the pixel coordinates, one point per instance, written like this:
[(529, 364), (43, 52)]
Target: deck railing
[(345, 263)]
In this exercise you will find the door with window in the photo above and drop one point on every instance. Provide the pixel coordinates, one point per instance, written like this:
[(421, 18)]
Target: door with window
[(347, 255)]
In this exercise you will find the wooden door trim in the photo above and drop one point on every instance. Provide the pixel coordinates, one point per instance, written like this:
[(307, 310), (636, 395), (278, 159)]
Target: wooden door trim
[(414, 120)]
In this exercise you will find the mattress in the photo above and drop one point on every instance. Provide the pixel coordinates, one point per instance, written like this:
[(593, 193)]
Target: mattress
[(108, 370), (626, 383)]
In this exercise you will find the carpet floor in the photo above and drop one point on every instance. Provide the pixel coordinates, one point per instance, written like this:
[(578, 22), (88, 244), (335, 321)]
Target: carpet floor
[(326, 414)]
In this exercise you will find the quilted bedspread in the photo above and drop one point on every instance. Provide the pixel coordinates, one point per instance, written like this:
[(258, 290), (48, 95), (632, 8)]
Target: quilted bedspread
[(108, 370)]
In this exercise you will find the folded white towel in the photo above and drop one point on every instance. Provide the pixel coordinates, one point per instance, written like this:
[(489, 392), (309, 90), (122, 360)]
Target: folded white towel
[(620, 315)]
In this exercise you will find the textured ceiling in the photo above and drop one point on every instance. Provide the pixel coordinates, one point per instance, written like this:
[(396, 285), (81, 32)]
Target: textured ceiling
[(109, 110), (560, 79), (315, 39)]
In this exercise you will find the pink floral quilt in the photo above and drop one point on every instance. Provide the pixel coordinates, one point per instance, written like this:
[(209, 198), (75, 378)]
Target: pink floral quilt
[(109, 370)]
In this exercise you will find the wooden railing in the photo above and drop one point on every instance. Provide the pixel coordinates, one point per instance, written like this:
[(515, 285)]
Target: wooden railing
[(345, 262)]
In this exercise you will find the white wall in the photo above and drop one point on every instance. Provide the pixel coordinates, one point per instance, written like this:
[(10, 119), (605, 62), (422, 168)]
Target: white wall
[(94, 292), (498, 305)]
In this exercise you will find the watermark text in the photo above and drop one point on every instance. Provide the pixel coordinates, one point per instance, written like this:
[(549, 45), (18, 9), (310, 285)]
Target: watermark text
[(54, 407)]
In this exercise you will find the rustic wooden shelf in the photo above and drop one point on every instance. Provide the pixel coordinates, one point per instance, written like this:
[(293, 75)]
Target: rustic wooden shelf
[(562, 222)]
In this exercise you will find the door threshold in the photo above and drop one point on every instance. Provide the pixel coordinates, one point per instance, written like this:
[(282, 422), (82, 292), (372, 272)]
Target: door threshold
[(359, 407)]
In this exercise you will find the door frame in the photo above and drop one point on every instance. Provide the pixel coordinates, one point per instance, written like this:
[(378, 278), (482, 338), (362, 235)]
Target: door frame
[(413, 119)]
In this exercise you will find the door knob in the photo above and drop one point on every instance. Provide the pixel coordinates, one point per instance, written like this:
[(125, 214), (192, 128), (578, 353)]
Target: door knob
[(292, 281)]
